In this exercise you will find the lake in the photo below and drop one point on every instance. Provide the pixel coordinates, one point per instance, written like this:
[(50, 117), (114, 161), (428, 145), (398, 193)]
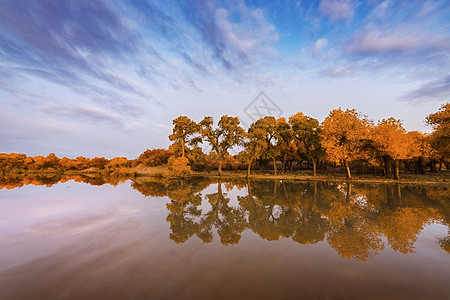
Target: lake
[(79, 237)]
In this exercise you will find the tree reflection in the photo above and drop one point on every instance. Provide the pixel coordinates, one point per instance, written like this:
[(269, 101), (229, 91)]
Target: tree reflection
[(356, 220)]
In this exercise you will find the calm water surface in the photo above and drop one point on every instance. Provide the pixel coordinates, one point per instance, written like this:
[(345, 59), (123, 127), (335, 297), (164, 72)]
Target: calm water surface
[(97, 238)]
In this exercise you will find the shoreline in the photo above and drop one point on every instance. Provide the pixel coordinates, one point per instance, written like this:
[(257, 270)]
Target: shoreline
[(442, 178)]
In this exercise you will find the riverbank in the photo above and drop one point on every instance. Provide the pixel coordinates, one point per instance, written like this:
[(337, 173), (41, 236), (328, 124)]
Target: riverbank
[(442, 177)]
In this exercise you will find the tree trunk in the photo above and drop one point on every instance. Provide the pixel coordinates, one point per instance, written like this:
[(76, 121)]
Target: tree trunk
[(314, 166), (396, 173), (433, 166), (420, 168), (347, 170), (220, 168), (387, 166), (283, 167), (274, 166), (249, 167)]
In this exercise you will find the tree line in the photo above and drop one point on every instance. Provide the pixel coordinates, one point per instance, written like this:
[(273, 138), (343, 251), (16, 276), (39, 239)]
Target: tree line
[(346, 138), (346, 141)]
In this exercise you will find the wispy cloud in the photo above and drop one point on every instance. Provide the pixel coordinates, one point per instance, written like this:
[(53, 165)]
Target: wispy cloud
[(84, 113), (434, 91), (234, 43), (337, 9), (319, 45), (396, 41)]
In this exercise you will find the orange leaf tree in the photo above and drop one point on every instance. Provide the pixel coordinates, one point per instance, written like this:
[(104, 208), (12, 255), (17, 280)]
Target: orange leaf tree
[(343, 135), (391, 140)]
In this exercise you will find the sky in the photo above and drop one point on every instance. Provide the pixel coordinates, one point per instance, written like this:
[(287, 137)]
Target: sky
[(106, 78)]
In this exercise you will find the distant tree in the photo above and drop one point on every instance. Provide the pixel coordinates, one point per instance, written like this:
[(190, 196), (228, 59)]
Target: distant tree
[(343, 135), (307, 131), (184, 133), (12, 161), (227, 135), (98, 162), (82, 162), (154, 157), (67, 164)]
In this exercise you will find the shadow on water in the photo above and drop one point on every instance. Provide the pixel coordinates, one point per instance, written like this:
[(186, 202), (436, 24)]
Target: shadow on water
[(357, 220)]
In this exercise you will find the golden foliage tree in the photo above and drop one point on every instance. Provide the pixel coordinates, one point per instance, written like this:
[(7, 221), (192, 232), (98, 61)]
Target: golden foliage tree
[(306, 131), (179, 167), (226, 135), (343, 136), (184, 132), (440, 138), (391, 140)]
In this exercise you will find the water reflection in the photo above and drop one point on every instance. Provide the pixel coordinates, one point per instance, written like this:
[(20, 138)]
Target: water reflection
[(357, 220)]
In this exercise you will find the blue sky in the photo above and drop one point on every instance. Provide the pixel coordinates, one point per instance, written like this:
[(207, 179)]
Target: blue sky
[(106, 78)]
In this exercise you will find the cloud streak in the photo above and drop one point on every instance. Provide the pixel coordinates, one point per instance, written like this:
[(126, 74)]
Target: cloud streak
[(434, 91), (337, 9)]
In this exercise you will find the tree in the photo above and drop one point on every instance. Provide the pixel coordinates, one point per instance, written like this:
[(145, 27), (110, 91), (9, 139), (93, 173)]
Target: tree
[(307, 130), (179, 167), (419, 149), (343, 135), (264, 131), (253, 149), (391, 140), (227, 135), (285, 143), (184, 132), (440, 138), (154, 157)]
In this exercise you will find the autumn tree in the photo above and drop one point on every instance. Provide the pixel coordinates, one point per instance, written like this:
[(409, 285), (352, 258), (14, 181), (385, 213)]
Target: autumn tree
[(226, 135), (285, 141), (440, 138), (184, 133), (179, 167), (391, 140), (343, 136), (253, 149), (154, 157), (306, 131), (264, 131), (419, 150)]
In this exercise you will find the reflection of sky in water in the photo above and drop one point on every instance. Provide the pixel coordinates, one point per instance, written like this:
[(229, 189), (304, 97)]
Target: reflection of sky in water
[(52, 218), (82, 240)]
